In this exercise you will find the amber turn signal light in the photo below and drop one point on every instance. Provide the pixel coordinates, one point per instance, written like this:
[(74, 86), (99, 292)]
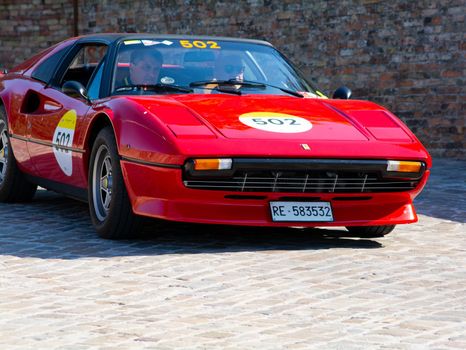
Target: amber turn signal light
[(404, 166), (213, 164)]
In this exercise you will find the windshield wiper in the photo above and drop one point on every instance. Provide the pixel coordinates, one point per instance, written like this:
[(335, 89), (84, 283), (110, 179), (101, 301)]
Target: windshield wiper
[(244, 83), (154, 87), (228, 82), (231, 86), (288, 91)]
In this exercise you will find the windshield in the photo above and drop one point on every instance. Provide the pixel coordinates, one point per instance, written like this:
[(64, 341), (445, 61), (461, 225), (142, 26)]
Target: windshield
[(204, 66)]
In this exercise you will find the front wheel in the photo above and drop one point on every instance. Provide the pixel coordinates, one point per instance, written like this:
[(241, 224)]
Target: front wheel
[(109, 204), (370, 231)]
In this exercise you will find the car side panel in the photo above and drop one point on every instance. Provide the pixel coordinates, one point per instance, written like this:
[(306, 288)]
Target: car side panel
[(32, 130), (13, 87), (46, 127)]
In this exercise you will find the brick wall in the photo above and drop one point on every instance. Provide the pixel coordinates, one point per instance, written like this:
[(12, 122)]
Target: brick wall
[(29, 26), (406, 55)]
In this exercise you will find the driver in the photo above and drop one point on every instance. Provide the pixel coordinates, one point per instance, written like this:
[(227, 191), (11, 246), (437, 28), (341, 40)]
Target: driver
[(144, 67)]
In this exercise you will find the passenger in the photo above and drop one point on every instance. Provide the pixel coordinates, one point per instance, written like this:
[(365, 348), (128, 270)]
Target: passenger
[(229, 67)]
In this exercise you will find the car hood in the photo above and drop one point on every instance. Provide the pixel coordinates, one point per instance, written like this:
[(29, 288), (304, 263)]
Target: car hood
[(225, 125), (270, 117)]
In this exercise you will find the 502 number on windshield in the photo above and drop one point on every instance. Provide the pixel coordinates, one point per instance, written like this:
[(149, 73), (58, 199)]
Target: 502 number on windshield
[(199, 44)]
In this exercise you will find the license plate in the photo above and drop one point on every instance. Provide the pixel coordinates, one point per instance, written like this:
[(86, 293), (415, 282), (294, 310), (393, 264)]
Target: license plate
[(301, 211)]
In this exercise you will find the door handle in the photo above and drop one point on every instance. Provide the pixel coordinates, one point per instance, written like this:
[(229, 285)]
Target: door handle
[(51, 106)]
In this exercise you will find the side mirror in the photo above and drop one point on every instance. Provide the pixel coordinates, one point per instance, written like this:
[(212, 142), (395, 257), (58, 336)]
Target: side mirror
[(74, 89), (343, 93)]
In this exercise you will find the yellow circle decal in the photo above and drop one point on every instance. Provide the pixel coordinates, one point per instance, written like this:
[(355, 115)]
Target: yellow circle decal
[(63, 139), (275, 122)]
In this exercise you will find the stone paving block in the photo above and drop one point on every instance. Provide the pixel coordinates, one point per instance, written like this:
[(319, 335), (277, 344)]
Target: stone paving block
[(184, 286)]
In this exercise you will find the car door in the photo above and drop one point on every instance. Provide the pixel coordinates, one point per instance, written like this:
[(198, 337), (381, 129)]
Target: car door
[(59, 121)]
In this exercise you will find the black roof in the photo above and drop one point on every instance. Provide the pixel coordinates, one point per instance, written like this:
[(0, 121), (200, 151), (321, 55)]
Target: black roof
[(109, 38)]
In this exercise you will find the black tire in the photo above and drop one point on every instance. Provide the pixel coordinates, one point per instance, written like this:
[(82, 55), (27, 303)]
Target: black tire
[(370, 231), (109, 204), (13, 184)]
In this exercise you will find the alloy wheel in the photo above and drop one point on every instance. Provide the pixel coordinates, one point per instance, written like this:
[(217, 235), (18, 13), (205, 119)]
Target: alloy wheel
[(102, 182), (4, 149)]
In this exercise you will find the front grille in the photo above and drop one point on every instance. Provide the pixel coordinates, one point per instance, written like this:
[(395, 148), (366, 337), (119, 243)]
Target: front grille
[(339, 178), (303, 183)]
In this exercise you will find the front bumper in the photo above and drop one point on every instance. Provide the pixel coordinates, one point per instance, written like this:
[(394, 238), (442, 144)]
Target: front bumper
[(160, 193)]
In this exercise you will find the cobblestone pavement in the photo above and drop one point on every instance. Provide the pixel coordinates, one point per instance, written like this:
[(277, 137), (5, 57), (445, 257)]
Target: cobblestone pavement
[(186, 286)]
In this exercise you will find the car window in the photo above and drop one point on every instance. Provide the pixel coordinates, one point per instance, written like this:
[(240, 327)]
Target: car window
[(84, 63), (45, 70), (94, 86)]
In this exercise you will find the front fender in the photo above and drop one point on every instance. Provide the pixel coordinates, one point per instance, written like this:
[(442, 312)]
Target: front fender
[(140, 135)]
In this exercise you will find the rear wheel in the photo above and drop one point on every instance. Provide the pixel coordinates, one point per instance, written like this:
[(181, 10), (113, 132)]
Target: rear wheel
[(13, 185), (370, 231), (109, 204)]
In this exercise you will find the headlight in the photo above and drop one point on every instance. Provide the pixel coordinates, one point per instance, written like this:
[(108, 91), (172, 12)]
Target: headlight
[(213, 164), (402, 166)]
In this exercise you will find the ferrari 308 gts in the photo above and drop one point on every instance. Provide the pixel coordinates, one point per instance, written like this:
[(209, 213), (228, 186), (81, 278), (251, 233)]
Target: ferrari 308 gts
[(202, 130)]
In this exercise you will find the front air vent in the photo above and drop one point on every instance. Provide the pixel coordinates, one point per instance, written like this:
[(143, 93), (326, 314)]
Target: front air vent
[(31, 102)]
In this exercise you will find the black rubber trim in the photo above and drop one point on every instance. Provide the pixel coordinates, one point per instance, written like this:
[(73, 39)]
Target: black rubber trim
[(300, 199), (361, 198), (68, 190), (144, 162), (241, 196), (22, 138), (45, 143)]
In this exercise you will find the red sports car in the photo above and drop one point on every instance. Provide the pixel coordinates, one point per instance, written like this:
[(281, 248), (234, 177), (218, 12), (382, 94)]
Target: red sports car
[(205, 130)]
